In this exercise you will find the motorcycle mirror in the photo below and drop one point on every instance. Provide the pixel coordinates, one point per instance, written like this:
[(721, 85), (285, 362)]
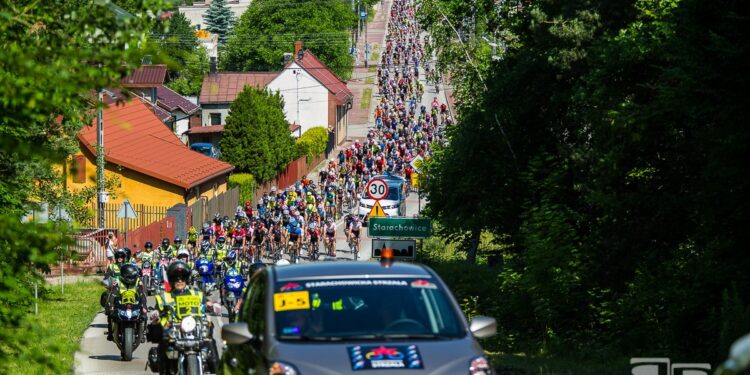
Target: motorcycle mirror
[(236, 333)]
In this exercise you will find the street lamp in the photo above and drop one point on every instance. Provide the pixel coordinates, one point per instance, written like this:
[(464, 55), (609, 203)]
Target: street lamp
[(298, 75)]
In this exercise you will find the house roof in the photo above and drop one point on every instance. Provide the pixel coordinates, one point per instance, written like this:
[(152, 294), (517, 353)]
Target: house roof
[(205, 129), (224, 87), (161, 113), (146, 76), (136, 139), (325, 76), (294, 127), (172, 101)]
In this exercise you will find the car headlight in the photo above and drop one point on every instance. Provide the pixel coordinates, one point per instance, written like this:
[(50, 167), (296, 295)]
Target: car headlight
[(390, 207), (480, 366), (188, 324), (281, 368)]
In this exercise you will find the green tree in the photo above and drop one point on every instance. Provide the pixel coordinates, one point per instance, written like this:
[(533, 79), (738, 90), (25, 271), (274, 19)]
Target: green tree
[(219, 19), (256, 137), (55, 53), (178, 41), (269, 28), (190, 78)]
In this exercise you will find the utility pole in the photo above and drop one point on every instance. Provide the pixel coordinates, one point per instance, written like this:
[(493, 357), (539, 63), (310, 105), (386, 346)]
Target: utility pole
[(101, 196)]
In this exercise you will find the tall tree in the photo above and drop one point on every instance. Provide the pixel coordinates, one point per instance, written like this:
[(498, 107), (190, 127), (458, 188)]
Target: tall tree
[(269, 28), (219, 19), (256, 136), (178, 42)]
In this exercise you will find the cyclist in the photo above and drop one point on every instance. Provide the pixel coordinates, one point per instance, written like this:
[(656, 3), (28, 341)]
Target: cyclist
[(313, 235), (330, 236), (353, 235), (295, 237)]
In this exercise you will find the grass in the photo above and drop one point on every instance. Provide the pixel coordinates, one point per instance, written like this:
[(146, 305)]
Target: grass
[(372, 68), (369, 80), (366, 97), (47, 342)]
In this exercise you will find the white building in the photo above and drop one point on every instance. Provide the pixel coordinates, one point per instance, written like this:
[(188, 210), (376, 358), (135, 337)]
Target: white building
[(195, 12)]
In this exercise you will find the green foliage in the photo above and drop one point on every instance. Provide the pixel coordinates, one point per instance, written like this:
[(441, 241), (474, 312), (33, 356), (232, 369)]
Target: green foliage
[(269, 28), (178, 42), (54, 54), (190, 77), (48, 341), (219, 19), (607, 149), (256, 136), (246, 183), (313, 143)]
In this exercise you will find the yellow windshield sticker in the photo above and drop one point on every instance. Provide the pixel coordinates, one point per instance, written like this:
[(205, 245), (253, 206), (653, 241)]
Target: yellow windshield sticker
[(291, 301), (127, 297)]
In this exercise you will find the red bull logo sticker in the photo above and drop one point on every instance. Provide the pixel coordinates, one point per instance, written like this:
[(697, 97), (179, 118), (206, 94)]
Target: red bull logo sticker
[(385, 357)]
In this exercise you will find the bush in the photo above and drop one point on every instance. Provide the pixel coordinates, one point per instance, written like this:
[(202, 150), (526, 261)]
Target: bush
[(312, 143), (246, 183)]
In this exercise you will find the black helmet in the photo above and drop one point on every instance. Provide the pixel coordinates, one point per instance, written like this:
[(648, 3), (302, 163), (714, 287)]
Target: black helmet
[(128, 253), (178, 270), (221, 240), (177, 240), (165, 241), (129, 274), (121, 253), (148, 245)]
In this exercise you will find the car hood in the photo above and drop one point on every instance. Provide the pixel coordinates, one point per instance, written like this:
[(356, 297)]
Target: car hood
[(444, 357)]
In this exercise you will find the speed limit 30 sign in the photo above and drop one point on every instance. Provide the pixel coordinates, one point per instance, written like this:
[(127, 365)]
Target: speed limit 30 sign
[(377, 189)]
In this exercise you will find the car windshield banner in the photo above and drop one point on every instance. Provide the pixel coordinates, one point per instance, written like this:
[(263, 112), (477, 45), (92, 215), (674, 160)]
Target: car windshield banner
[(385, 357)]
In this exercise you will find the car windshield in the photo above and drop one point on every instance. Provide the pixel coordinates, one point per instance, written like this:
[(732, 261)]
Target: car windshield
[(393, 192), (364, 309)]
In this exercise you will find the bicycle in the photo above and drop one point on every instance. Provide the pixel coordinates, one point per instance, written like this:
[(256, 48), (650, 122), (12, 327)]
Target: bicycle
[(354, 247)]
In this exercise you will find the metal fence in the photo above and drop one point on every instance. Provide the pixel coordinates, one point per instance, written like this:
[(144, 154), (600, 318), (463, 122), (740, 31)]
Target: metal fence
[(224, 204)]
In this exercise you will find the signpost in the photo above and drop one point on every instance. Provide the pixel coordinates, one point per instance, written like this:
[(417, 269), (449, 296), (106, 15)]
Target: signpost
[(401, 248), (416, 163), (399, 227), (377, 189), (126, 212)]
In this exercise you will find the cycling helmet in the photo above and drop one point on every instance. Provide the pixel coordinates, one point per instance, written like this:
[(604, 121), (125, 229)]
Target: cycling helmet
[(128, 253), (329, 220), (205, 245), (165, 242), (206, 226), (231, 258), (148, 245), (283, 262), (178, 270), (129, 274), (121, 254), (183, 253), (177, 240), (222, 240)]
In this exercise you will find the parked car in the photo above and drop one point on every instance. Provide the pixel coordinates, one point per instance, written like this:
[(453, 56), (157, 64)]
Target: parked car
[(342, 317), (206, 149)]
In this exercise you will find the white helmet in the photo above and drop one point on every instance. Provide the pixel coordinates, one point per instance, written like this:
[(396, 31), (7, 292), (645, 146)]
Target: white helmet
[(283, 262), (184, 252)]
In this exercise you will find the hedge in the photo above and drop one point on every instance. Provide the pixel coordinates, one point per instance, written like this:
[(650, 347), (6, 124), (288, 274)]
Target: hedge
[(312, 143), (246, 183)]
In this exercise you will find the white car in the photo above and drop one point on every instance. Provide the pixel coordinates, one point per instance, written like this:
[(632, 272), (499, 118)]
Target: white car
[(394, 203)]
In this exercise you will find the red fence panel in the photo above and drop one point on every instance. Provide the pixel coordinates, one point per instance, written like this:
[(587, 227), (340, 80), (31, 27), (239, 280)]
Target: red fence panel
[(153, 232)]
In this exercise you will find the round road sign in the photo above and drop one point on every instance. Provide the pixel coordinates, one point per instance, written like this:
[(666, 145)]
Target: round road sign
[(377, 189)]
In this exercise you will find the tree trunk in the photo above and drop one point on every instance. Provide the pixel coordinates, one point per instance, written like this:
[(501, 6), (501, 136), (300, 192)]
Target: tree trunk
[(473, 246)]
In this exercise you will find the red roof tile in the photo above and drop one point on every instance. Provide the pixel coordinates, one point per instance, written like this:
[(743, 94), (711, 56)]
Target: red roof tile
[(325, 76), (224, 87), (146, 76), (172, 101), (206, 129), (135, 138)]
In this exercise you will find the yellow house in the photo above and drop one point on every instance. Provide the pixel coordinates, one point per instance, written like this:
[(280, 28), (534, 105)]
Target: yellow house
[(153, 166)]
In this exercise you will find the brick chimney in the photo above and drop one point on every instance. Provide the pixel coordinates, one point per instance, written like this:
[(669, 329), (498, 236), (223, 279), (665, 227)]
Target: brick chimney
[(297, 49)]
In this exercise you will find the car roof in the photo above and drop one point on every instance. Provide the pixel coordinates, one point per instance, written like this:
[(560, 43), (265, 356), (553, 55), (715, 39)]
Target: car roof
[(201, 145), (343, 269)]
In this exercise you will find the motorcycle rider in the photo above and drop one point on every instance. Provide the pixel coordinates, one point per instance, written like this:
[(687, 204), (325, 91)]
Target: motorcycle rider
[(163, 250), (129, 281), (222, 248), (176, 247), (173, 306), (148, 254), (111, 275)]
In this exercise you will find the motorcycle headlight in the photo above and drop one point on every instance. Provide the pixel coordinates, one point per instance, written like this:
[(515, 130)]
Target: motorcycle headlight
[(480, 366), (281, 368), (188, 324)]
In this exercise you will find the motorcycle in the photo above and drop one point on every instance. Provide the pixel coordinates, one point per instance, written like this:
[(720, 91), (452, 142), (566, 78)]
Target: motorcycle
[(190, 350), (147, 277), (128, 324), (206, 281), (162, 273), (233, 285)]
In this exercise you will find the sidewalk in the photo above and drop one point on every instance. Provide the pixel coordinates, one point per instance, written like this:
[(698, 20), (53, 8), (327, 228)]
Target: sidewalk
[(366, 78)]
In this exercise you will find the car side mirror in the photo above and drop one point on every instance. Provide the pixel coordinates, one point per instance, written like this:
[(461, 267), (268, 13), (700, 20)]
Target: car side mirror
[(236, 333), (482, 327)]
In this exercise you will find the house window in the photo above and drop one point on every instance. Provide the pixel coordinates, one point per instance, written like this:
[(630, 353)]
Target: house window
[(216, 119), (78, 169)]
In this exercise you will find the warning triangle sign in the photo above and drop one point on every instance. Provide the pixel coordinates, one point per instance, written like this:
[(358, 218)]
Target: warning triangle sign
[(377, 210)]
